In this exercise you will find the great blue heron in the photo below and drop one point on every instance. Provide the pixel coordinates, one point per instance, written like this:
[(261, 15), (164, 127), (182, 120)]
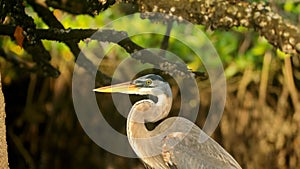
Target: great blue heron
[(174, 143)]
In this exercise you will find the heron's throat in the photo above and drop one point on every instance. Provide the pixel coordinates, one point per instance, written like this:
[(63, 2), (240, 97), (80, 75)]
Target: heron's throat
[(161, 109), (147, 111)]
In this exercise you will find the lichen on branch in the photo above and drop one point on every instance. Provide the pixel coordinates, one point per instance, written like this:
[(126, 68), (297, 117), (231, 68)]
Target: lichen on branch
[(225, 14)]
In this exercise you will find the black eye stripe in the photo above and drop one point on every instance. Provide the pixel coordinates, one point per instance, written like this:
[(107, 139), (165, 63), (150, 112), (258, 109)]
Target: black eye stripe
[(138, 81), (143, 83), (154, 77), (148, 81), (139, 85)]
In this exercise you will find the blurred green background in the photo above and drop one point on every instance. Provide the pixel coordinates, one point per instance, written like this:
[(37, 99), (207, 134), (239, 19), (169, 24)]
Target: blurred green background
[(260, 125)]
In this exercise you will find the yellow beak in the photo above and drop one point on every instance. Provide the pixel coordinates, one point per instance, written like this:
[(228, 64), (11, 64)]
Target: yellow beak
[(126, 87)]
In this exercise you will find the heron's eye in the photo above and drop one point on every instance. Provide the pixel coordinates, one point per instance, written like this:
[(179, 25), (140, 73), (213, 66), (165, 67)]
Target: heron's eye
[(148, 82)]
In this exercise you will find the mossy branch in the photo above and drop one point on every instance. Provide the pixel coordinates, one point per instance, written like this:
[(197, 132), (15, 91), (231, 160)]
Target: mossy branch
[(226, 14)]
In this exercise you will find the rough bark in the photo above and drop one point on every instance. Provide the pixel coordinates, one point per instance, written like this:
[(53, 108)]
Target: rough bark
[(3, 144), (225, 14)]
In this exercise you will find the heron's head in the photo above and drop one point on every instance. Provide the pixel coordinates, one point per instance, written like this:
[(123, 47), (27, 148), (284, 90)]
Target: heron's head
[(150, 84)]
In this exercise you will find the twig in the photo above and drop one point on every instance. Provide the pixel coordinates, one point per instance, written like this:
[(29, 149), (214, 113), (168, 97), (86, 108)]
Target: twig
[(246, 79), (12, 57), (165, 43), (289, 79), (91, 7), (282, 100), (26, 155), (245, 44), (264, 77)]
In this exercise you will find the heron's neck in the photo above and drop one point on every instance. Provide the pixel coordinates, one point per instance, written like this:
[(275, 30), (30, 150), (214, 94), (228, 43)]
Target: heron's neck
[(147, 111)]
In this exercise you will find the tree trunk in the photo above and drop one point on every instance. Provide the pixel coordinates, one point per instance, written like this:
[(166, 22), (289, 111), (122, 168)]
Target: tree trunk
[(3, 144)]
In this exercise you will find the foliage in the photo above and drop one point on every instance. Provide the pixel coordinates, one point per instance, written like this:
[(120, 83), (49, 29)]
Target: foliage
[(41, 114)]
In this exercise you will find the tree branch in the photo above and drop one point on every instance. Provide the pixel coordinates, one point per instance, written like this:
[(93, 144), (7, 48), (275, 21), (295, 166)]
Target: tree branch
[(90, 7), (31, 43), (17, 61), (48, 17), (225, 14), (108, 35)]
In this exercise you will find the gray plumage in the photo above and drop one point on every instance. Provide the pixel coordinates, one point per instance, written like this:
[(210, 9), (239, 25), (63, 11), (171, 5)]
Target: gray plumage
[(176, 142)]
